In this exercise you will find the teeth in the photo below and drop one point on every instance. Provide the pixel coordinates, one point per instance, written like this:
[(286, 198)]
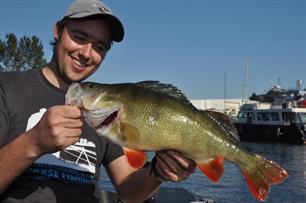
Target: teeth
[(78, 63)]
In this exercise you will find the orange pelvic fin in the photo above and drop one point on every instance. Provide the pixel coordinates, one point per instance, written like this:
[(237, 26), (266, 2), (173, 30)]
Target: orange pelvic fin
[(261, 177), (213, 168), (135, 158)]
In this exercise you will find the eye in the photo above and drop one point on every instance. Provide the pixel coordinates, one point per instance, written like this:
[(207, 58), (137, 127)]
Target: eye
[(100, 48), (91, 85), (79, 38)]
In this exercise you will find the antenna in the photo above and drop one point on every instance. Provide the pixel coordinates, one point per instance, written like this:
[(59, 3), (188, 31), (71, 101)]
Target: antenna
[(246, 80), (225, 90)]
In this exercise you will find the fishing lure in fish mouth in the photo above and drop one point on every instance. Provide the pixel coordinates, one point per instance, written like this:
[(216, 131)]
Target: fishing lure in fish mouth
[(150, 116)]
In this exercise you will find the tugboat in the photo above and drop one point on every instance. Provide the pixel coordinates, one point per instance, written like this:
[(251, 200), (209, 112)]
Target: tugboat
[(278, 116)]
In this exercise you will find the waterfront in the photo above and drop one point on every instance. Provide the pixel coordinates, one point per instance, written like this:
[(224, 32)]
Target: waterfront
[(233, 188)]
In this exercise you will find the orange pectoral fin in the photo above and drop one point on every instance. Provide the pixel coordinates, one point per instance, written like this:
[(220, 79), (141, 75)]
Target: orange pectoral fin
[(213, 168), (135, 158)]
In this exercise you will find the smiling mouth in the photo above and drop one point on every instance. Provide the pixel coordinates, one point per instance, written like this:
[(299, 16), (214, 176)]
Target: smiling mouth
[(78, 65)]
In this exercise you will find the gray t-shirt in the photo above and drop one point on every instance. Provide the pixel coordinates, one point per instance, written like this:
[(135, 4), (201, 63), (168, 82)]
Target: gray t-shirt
[(62, 176)]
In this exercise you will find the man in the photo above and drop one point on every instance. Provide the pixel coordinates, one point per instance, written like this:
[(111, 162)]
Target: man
[(48, 154)]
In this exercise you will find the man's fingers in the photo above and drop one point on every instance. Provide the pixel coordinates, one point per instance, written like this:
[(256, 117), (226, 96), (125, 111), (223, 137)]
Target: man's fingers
[(65, 111), (66, 116), (168, 173), (173, 166), (168, 162), (72, 112), (185, 163), (160, 167), (73, 123), (177, 162), (73, 133)]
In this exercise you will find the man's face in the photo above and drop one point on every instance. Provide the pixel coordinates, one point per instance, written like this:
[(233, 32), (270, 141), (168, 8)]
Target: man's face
[(81, 48)]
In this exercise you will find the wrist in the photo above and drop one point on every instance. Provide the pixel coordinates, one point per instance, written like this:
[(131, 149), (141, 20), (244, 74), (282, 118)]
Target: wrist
[(30, 144)]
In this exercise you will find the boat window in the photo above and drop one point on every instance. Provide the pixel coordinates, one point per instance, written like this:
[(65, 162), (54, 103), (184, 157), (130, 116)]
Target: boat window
[(250, 117), (303, 117), (275, 116), (241, 115), (288, 118), (265, 116), (258, 115)]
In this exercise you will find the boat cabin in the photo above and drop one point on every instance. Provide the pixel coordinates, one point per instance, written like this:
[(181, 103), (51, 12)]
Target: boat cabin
[(268, 122), (271, 116)]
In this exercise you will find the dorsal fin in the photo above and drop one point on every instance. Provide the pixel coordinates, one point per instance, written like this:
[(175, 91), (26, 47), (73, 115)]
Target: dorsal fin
[(225, 123), (162, 88)]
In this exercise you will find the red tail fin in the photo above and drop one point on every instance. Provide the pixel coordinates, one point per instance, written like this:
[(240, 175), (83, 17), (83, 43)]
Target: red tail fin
[(136, 158), (213, 168), (261, 177)]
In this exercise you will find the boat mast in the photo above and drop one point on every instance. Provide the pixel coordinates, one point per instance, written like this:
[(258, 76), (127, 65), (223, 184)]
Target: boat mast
[(245, 89), (225, 91)]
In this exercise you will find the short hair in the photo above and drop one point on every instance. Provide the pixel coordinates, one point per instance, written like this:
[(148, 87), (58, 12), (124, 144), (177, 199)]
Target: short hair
[(60, 26)]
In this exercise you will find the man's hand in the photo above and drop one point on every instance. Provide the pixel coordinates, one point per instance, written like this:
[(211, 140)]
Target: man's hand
[(58, 128), (173, 166)]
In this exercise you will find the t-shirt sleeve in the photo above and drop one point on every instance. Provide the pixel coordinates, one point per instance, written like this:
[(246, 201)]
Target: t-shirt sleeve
[(113, 151), (4, 118)]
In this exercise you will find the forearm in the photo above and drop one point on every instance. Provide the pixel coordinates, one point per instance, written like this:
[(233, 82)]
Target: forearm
[(139, 186), (59, 128), (135, 186), (15, 157)]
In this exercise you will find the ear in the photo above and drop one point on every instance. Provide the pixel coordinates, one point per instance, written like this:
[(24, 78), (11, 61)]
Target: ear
[(55, 32)]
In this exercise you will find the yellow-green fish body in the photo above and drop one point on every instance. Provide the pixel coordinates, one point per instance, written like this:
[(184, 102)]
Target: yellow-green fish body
[(149, 116)]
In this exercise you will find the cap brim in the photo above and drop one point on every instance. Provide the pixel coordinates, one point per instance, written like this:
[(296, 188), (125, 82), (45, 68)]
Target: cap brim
[(115, 24)]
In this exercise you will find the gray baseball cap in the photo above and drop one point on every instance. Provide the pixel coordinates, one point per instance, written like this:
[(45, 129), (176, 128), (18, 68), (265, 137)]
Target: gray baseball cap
[(86, 8)]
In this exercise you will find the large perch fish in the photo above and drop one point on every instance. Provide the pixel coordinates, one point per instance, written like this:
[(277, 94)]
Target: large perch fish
[(150, 116)]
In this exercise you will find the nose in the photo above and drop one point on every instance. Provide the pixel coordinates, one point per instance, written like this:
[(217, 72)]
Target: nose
[(85, 50)]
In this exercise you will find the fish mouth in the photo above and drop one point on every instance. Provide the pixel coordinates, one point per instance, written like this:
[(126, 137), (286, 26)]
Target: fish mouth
[(73, 95), (99, 115), (108, 121), (101, 119)]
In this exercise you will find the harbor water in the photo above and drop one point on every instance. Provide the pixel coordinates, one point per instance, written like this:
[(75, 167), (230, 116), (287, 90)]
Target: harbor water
[(232, 186)]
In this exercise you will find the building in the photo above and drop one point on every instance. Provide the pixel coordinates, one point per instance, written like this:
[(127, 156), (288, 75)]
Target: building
[(228, 106)]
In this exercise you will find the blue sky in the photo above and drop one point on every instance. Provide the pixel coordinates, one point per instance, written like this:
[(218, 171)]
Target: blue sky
[(189, 43)]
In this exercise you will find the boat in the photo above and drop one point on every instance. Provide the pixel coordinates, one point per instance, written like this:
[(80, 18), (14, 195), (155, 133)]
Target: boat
[(277, 116), (270, 122)]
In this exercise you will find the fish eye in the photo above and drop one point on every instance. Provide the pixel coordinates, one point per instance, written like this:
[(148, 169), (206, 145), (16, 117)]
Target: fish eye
[(91, 85)]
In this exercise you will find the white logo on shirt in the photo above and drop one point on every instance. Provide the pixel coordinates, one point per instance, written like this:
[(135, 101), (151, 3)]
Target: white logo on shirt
[(35, 118), (80, 156)]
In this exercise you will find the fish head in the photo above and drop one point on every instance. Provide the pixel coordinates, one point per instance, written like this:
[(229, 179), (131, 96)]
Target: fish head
[(90, 96), (100, 108), (86, 95)]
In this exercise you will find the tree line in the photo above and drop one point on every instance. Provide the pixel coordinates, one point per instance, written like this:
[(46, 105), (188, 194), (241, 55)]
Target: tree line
[(21, 54)]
